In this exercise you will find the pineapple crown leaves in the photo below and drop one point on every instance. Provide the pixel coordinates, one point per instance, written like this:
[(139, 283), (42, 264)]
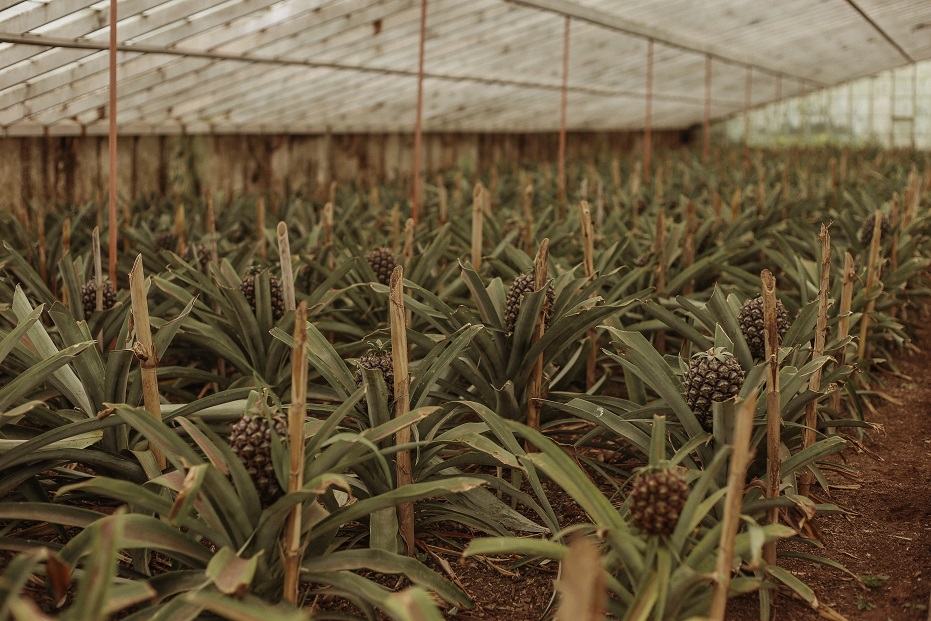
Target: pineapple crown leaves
[(379, 347), (718, 353)]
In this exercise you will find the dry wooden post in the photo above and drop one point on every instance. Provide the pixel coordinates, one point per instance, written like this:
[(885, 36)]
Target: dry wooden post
[(736, 199), (260, 228), (212, 228), (287, 273), (395, 228), (688, 249), (535, 389), (659, 251), (444, 199), (635, 180), (821, 334), (112, 140), (328, 218), (526, 204), (588, 247), (736, 477), (581, 584), (599, 204), (331, 197), (405, 470), (773, 406), (478, 198), (894, 249), (871, 277), (408, 241), (145, 350), (179, 228), (843, 324), (296, 413)]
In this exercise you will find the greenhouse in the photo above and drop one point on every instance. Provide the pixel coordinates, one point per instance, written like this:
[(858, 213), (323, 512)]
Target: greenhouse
[(560, 310)]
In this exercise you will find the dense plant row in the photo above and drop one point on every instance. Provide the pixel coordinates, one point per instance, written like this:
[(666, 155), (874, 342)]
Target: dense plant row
[(646, 354)]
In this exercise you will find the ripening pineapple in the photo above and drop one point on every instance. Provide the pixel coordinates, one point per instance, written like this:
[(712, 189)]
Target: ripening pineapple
[(165, 239), (89, 296), (656, 500), (522, 285), (251, 440), (247, 286), (713, 375), (379, 358), (753, 327), (866, 230), (201, 253), (382, 262)]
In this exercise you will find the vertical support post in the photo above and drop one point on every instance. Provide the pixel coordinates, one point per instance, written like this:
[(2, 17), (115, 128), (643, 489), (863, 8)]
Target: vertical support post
[(892, 109), (872, 119), (418, 130), (403, 462), (914, 101), (287, 270), (563, 104), (648, 121), (748, 86), (773, 407), (112, 144), (780, 108), (296, 413), (706, 123), (535, 390)]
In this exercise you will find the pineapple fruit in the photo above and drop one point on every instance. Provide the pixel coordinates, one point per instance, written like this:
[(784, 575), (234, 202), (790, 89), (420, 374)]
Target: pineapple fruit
[(379, 358), (656, 500), (251, 440), (165, 239), (89, 296), (522, 285), (201, 253), (866, 230), (750, 318), (713, 376), (247, 286), (382, 262)]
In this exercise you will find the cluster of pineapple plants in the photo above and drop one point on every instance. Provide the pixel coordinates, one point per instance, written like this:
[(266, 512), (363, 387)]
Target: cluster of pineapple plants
[(530, 356)]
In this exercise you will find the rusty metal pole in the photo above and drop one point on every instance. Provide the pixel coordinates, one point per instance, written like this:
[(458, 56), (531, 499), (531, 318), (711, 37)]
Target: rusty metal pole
[(706, 124), (780, 109), (112, 206), (647, 129), (418, 130), (748, 85), (563, 104)]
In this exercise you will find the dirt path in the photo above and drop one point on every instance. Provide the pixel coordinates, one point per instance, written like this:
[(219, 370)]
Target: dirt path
[(887, 539)]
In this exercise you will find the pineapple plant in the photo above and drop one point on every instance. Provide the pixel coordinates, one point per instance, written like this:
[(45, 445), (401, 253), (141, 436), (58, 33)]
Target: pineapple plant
[(753, 327), (656, 500), (522, 285), (866, 230), (378, 358), (383, 263), (247, 286), (251, 440), (89, 296), (713, 376)]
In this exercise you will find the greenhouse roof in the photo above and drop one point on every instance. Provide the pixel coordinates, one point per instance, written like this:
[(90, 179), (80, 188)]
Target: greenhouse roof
[(313, 66)]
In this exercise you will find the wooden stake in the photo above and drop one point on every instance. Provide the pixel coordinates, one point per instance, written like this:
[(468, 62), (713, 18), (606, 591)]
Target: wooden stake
[(635, 180), (296, 413), (871, 277), (408, 241), (260, 228), (444, 199), (894, 249), (588, 246), (535, 388), (402, 405), (821, 333), (66, 237), (396, 228), (287, 273), (212, 228), (332, 195), (328, 218), (773, 406), (843, 324), (179, 229), (736, 477), (526, 204), (688, 248), (659, 251), (736, 199), (145, 350), (581, 584), (478, 198), (98, 267)]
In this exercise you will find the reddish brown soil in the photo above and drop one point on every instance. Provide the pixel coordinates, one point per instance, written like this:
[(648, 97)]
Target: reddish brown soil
[(887, 536)]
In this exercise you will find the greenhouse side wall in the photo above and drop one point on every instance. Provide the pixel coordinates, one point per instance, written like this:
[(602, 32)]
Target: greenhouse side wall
[(73, 169)]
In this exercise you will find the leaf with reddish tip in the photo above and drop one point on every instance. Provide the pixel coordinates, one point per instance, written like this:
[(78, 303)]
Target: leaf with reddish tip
[(231, 574)]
